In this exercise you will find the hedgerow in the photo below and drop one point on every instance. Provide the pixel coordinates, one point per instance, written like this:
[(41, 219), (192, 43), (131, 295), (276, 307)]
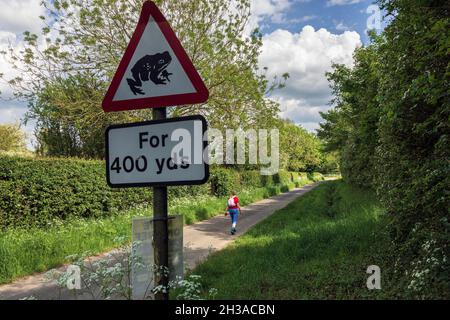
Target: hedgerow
[(37, 191), (282, 177), (224, 181), (251, 178), (315, 176)]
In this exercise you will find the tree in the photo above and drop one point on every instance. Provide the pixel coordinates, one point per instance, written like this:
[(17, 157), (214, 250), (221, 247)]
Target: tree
[(70, 121), (351, 127), (64, 72), (12, 138), (329, 162), (299, 149)]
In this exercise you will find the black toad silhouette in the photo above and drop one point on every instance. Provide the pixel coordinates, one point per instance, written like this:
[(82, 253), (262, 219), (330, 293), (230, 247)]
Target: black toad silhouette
[(151, 67)]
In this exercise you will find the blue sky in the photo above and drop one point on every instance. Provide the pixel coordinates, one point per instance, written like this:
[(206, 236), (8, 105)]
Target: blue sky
[(302, 37), (323, 14)]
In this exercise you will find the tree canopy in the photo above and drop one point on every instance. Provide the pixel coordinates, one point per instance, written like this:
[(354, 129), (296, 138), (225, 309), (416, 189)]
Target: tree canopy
[(299, 149), (12, 138), (65, 70)]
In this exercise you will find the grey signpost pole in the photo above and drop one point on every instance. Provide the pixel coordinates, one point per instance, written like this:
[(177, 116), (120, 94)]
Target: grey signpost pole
[(160, 229)]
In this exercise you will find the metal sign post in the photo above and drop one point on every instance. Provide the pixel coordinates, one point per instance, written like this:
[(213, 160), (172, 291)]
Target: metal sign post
[(160, 229)]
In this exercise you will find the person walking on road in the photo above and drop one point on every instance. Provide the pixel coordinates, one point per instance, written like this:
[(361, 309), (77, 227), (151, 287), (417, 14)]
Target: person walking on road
[(234, 210)]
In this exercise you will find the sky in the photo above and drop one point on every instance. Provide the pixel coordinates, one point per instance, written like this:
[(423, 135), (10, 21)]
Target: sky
[(301, 37)]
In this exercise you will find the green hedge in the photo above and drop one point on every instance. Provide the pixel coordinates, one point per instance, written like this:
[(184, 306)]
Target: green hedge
[(251, 178), (315, 176), (35, 192), (282, 177), (266, 181), (224, 181), (303, 176)]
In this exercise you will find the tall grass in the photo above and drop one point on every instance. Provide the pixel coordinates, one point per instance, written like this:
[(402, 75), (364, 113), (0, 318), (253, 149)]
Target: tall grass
[(25, 251)]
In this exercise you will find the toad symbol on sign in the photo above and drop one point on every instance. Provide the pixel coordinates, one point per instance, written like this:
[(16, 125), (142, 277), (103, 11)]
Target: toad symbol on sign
[(150, 67)]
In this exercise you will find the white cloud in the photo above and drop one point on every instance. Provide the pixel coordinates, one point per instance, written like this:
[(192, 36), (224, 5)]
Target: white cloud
[(262, 8), (341, 26), (303, 19), (18, 16), (15, 18), (331, 3), (267, 10), (8, 40), (307, 56), (6, 37), (300, 110), (11, 112)]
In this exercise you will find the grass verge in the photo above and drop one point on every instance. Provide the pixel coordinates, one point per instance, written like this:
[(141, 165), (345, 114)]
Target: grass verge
[(318, 247)]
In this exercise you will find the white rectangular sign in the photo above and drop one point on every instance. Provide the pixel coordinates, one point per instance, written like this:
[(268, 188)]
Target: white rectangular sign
[(159, 152)]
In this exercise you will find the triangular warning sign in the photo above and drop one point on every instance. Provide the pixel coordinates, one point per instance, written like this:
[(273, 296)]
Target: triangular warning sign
[(155, 71)]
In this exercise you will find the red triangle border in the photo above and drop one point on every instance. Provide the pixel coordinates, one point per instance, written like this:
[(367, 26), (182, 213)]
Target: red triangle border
[(201, 95)]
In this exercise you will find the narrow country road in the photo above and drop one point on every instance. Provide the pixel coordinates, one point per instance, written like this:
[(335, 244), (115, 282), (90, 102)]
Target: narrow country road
[(200, 239)]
